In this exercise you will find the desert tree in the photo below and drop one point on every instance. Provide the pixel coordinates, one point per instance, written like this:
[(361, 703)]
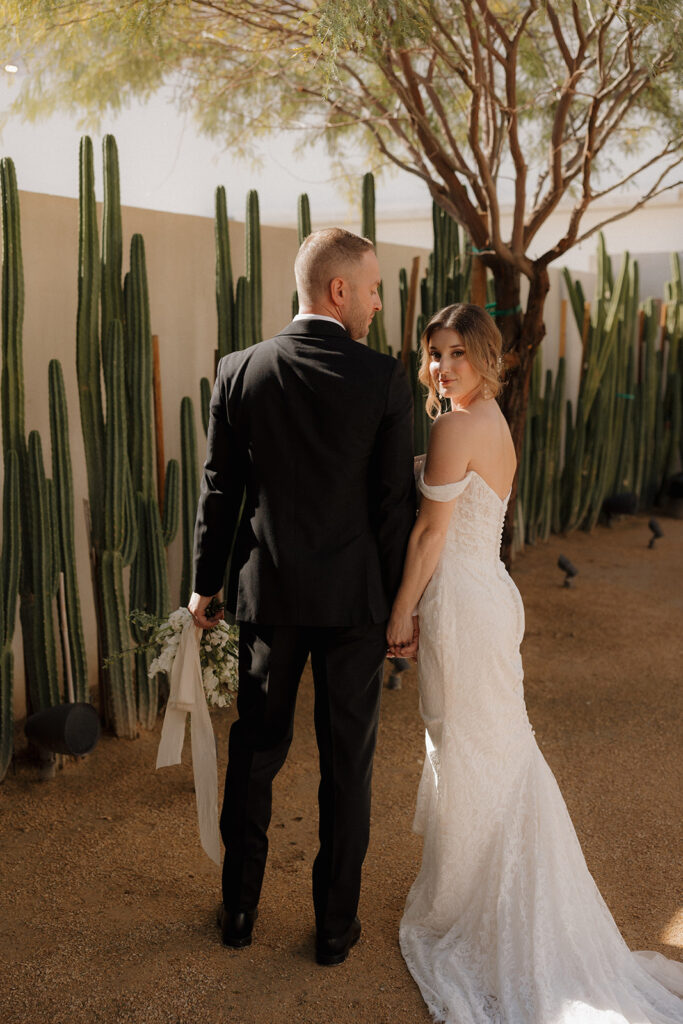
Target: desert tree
[(534, 105)]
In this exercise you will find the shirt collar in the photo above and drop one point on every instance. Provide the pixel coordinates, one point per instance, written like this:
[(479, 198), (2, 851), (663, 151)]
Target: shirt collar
[(318, 316)]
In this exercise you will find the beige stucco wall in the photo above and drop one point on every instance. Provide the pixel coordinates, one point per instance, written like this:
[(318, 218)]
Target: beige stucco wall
[(181, 273)]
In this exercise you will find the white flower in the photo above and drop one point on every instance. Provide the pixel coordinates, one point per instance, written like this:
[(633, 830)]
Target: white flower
[(217, 654), (178, 618)]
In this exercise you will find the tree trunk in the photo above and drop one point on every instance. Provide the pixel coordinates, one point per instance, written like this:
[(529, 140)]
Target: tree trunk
[(522, 334)]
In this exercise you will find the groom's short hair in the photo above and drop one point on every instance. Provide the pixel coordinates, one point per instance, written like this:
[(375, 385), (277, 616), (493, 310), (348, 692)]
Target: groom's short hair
[(324, 255)]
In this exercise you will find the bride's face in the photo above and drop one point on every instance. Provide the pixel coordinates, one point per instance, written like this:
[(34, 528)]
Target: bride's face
[(453, 375)]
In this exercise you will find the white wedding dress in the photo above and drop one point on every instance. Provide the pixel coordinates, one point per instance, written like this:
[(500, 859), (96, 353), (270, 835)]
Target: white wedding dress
[(504, 923)]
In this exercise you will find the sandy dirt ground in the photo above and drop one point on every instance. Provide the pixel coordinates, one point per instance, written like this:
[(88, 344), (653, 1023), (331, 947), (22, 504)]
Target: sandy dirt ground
[(107, 900)]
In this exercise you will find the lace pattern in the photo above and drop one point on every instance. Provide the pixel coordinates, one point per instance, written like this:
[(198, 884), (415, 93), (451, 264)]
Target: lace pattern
[(504, 924)]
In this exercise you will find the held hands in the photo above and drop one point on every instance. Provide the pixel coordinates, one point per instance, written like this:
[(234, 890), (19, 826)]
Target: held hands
[(205, 611), (403, 635)]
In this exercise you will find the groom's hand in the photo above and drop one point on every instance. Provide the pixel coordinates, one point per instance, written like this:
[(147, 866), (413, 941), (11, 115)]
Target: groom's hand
[(197, 606), (403, 635)]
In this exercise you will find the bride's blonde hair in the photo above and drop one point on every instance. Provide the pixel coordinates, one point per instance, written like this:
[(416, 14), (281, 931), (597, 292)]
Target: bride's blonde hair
[(483, 346)]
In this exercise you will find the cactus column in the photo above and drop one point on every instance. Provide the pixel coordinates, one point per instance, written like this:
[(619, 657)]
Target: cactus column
[(189, 490), (225, 297), (10, 566), (38, 574), (377, 335), (65, 553)]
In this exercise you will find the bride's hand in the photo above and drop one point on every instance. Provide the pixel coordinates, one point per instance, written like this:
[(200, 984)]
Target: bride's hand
[(402, 635)]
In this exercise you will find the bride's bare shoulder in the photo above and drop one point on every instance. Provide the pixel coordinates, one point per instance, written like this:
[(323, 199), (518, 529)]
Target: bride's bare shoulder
[(449, 448)]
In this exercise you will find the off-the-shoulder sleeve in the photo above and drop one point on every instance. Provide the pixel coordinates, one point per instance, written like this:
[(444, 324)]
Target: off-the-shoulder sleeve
[(443, 492)]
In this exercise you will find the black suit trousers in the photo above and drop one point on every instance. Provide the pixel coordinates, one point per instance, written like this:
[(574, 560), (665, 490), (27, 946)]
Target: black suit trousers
[(347, 664)]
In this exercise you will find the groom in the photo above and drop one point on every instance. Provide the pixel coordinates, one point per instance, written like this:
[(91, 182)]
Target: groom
[(313, 432)]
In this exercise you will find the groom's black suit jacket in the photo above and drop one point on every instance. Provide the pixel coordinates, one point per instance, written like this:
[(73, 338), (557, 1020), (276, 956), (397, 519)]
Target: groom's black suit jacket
[(314, 432)]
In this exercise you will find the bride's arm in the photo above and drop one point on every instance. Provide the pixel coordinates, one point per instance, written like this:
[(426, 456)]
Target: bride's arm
[(424, 548), (447, 461)]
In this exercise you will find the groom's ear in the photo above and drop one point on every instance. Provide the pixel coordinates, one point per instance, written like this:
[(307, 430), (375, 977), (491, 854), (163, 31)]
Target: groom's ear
[(338, 289)]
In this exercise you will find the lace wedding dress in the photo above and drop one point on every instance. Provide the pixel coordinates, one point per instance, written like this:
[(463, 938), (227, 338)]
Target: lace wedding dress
[(504, 924)]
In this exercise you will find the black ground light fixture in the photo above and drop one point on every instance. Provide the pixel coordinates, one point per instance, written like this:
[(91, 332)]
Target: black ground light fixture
[(69, 728), (656, 532), (570, 570), (65, 728), (616, 505)]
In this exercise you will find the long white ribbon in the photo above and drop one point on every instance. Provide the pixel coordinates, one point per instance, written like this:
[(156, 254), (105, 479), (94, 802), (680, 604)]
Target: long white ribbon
[(187, 696)]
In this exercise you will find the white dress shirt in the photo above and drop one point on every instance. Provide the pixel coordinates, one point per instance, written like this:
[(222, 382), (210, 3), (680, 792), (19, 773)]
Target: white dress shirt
[(318, 316)]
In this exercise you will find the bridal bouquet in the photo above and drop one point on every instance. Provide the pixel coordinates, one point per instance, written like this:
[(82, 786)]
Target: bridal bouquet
[(217, 652)]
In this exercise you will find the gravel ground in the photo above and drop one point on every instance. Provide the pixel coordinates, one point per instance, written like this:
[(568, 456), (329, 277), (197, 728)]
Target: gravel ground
[(107, 902)]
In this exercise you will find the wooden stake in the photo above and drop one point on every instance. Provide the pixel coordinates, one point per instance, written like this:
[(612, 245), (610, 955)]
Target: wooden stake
[(158, 423), (410, 313), (563, 328), (662, 325)]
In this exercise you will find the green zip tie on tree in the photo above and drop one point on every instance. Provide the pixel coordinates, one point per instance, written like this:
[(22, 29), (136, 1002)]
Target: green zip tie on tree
[(490, 307), (625, 396)]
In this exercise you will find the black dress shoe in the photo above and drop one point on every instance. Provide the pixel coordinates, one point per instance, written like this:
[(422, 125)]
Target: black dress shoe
[(236, 928), (333, 951)]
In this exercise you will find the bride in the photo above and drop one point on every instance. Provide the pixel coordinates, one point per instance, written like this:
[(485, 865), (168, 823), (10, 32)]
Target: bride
[(504, 924)]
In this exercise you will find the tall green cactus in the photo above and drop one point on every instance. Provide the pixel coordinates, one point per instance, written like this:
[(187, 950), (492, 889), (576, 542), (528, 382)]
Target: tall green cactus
[(38, 573), (225, 299), (112, 238), (64, 522), (44, 676), (117, 526), (303, 220), (377, 335), (138, 344), (239, 313), (120, 452), (205, 402), (626, 432), (88, 341), (190, 492), (171, 501), (10, 564), (303, 217), (13, 436), (253, 261)]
